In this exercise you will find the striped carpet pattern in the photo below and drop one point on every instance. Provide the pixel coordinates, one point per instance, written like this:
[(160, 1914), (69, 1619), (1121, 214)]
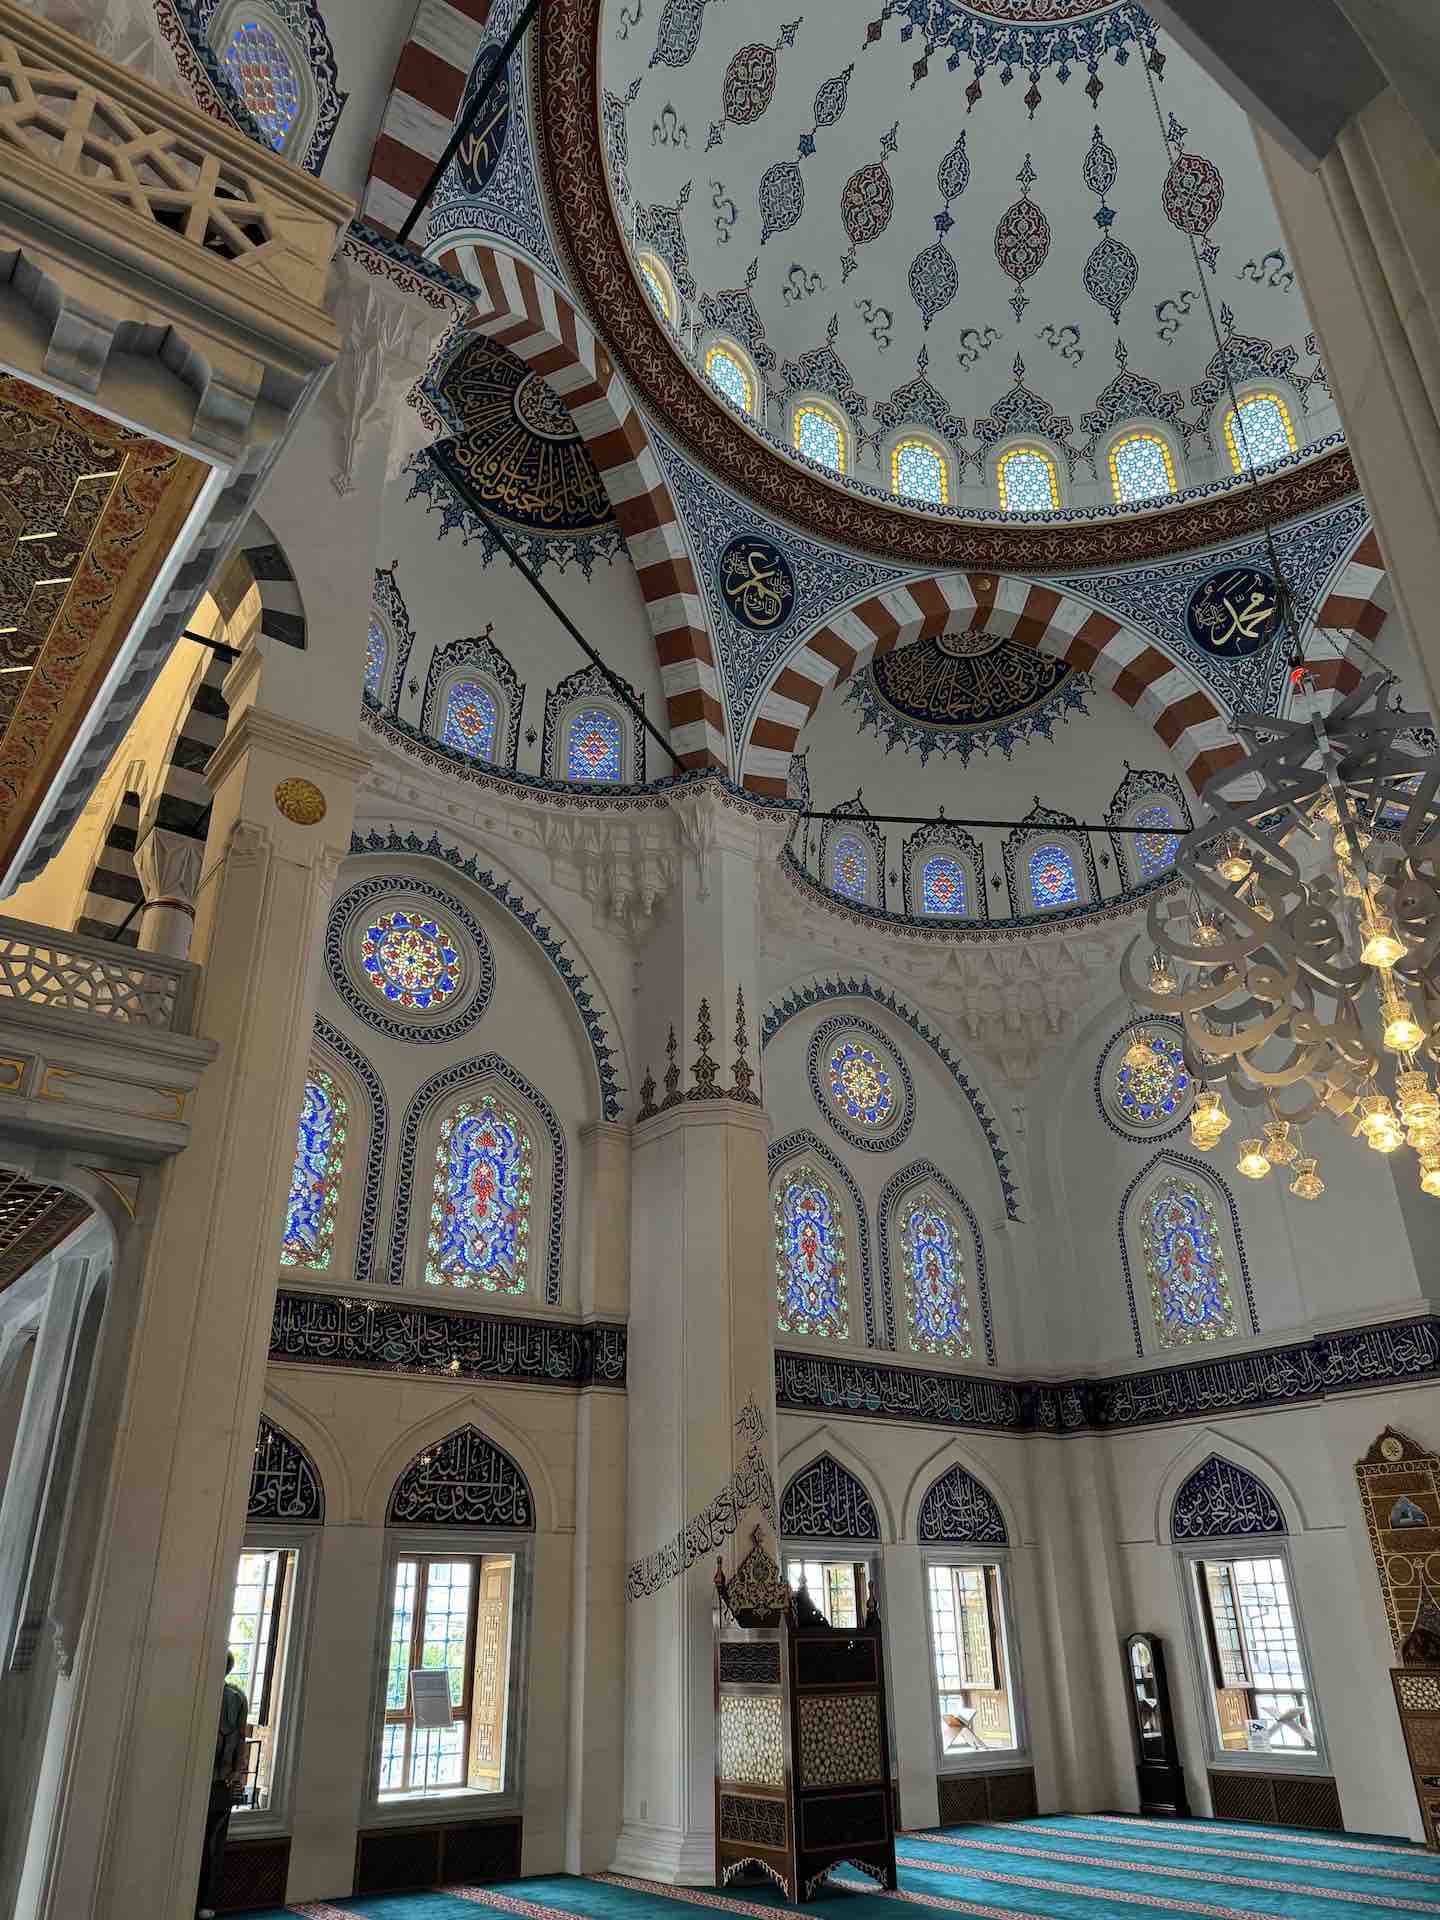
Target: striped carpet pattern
[(1064, 1867)]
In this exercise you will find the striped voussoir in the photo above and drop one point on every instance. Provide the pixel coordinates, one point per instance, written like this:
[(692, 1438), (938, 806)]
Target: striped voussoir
[(1358, 604), (430, 77), (1115, 657), (520, 310), (282, 614)]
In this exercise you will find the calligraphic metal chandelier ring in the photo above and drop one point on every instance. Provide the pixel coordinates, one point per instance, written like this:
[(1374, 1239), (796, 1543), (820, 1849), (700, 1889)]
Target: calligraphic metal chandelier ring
[(1303, 955)]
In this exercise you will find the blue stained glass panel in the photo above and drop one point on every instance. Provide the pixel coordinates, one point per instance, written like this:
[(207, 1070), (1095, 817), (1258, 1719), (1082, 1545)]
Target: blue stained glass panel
[(1262, 434), (819, 438), (1139, 468), (1155, 852), (654, 288), (849, 869), (1185, 1265), (1052, 878), (374, 657), (942, 886), (811, 1289), (918, 472), (1027, 483), (470, 719), (937, 1310), (1154, 1091), (315, 1177), (261, 72), (480, 1208), (592, 749), (726, 373)]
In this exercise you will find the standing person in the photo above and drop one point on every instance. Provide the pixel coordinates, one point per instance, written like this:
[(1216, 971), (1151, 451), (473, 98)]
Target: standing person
[(227, 1779)]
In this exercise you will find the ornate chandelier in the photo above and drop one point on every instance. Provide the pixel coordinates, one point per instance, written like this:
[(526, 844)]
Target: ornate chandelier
[(1305, 962)]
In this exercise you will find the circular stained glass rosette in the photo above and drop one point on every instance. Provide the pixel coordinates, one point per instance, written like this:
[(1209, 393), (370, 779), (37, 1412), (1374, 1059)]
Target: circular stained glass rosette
[(862, 1084), (411, 960), (1156, 1091)]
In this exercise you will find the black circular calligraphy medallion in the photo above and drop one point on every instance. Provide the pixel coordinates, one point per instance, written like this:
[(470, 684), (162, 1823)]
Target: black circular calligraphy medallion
[(1234, 612), (756, 583), (480, 150)]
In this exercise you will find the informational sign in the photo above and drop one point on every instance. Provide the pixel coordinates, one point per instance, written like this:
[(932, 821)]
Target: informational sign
[(430, 1696)]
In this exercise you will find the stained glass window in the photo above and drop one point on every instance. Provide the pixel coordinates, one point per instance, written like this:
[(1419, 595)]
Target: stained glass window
[(592, 745), (470, 719), (917, 470), (411, 960), (653, 276), (263, 74), (811, 1291), (1155, 852), (1155, 1091), (1052, 878), (1141, 467), (1185, 1265), (820, 437), (724, 371), (480, 1206), (943, 886), (937, 1312), (849, 868), (1262, 434), (1027, 482), (374, 657), (315, 1177), (862, 1083)]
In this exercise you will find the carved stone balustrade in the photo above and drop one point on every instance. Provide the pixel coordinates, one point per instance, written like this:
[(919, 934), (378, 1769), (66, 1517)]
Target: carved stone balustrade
[(97, 1043)]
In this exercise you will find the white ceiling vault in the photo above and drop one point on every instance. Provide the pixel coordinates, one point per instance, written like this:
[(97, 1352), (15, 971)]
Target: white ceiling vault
[(970, 216)]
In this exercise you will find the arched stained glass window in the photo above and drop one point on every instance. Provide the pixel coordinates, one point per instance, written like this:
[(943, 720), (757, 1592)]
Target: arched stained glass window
[(937, 1310), (374, 657), (820, 437), (1154, 850), (1185, 1265), (811, 1290), (480, 1205), (657, 285), (1141, 467), (943, 886), (315, 1177), (471, 718), (259, 67), (918, 472), (724, 370), (1027, 482), (592, 745), (849, 868), (1262, 433), (1052, 878)]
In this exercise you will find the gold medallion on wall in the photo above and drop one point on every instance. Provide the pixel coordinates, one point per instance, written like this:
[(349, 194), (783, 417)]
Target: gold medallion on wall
[(301, 801)]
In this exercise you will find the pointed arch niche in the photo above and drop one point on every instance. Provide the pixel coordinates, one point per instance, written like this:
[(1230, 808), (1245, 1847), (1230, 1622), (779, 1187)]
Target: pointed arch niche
[(1213, 1233), (960, 1510), (800, 1149), (474, 662), (924, 1217), (826, 1501), (446, 1146)]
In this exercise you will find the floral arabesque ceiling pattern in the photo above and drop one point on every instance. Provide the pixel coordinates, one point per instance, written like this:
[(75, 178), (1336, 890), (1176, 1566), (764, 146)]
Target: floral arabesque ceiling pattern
[(958, 215)]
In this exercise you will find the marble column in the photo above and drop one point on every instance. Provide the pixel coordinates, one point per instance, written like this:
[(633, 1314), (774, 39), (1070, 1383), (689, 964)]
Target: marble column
[(126, 1835), (169, 868), (701, 1396)]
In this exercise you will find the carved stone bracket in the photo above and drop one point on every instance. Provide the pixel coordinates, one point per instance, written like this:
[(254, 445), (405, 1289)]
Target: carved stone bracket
[(623, 867), (387, 343)]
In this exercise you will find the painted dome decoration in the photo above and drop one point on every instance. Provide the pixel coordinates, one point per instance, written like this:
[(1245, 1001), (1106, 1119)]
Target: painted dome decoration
[(965, 693)]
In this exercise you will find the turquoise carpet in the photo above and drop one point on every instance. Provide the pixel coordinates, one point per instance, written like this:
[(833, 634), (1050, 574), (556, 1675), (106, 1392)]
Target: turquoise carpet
[(1066, 1867)]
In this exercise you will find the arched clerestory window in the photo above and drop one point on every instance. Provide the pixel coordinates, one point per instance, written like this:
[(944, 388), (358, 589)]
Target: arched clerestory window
[(1259, 432), (919, 471), (945, 887), (1050, 873), (593, 745), (1027, 481), (727, 372), (1155, 849), (1141, 467), (850, 867), (472, 719), (314, 1198), (481, 1199), (655, 277), (812, 1285), (1185, 1264), (819, 433), (936, 1298), (376, 649)]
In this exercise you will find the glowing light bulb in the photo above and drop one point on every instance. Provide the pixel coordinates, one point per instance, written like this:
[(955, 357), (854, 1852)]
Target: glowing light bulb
[(1162, 977), (1307, 1184), (1377, 1122), (1205, 929), (1141, 1050), (1430, 1174), (1403, 1032), (1252, 1162), (1416, 1099), (1340, 841), (1232, 861), (1380, 945)]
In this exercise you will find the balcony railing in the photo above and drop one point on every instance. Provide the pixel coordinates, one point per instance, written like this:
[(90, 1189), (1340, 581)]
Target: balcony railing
[(42, 967)]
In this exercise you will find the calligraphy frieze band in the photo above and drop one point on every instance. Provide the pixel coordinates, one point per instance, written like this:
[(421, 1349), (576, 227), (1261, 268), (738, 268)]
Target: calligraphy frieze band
[(325, 1330)]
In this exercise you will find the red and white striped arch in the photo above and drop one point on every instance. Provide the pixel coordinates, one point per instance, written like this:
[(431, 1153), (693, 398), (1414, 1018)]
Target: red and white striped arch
[(1129, 666), (430, 77), (1358, 603)]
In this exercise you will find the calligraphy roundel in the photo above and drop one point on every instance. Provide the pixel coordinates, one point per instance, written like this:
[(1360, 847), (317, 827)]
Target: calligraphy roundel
[(1234, 612), (480, 150), (756, 583)]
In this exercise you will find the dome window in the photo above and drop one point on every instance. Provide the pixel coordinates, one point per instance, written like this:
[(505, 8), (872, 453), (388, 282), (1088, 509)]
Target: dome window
[(918, 472), (726, 371), (1141, 468), (1027, 481), (1259, 432), (820, 435)]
